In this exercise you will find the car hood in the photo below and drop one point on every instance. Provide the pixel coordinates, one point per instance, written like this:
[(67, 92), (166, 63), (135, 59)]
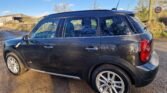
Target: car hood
[(14, 41)]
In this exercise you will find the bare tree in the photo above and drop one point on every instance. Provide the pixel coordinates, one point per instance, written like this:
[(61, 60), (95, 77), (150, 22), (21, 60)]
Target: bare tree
[(95, 5), (62, 7)]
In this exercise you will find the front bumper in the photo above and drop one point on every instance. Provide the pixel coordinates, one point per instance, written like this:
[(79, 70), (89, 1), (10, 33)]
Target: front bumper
[(147, 72)]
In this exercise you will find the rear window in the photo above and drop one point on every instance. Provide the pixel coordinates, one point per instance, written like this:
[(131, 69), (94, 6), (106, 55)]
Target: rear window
[(115, 25), (137, 24)]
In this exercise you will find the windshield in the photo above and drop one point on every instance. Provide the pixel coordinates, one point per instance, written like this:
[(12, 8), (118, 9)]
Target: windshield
[(137, 24)]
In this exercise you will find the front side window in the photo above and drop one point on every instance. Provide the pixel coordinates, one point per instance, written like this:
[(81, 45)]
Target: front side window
[(114, 25), (80, 27), (47, 29)]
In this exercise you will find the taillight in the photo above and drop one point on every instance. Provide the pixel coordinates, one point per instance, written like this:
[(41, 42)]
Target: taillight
[(145, 50)]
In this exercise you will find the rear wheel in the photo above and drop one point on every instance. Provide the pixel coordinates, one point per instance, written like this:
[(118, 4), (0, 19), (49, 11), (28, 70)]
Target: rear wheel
[(110, 79), (14, 64)]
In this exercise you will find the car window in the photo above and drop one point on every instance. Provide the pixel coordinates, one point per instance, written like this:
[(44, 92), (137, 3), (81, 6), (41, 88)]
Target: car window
[(47, 29), (138, 25), (80, 27), (114, 25), (94, 23), (108, 22), (78, 24)]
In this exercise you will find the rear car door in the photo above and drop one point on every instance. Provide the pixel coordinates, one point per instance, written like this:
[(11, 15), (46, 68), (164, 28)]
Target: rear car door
[(118, 39), (78, 47)]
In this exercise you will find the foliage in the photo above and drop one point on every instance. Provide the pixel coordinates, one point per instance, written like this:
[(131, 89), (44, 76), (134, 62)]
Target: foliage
[(155, 26), (143, 15), (164, 33)]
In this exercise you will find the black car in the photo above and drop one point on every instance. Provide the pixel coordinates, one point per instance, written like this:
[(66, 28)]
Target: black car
[(110, 49)]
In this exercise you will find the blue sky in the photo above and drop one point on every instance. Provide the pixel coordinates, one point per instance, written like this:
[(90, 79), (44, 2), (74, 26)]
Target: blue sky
[(42, 7)]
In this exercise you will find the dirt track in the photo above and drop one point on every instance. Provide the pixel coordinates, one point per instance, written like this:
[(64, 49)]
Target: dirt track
[(34, 82)]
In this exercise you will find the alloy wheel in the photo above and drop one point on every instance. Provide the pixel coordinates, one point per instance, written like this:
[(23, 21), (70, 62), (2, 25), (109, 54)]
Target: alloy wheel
[(13, 65), (110, 82)]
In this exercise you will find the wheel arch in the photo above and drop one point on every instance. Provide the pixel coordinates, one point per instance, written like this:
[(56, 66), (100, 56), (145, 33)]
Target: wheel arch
[(127, 71), (15, 52)]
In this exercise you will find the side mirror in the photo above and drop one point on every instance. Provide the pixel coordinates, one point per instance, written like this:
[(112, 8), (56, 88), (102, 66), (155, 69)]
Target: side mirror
[(25, 38)]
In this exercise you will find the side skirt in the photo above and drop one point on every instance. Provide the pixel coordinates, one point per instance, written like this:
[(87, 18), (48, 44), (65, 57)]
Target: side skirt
[(56, 74)]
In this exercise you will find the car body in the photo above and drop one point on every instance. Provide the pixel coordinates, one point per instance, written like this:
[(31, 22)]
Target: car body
[(77, 44)]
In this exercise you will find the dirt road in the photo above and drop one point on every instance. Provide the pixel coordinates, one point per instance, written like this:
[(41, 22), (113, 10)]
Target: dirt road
[(34, 82)]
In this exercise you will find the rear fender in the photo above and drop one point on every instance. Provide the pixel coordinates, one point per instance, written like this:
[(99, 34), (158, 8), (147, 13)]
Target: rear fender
[(116, 61)]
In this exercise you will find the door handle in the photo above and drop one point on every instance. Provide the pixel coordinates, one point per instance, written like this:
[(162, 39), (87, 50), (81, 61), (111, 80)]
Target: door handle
[(92, 48), (49, 47)]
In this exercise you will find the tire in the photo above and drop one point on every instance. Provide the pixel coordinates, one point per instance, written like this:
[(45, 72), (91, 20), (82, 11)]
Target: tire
[(109, 84), (15, 65)]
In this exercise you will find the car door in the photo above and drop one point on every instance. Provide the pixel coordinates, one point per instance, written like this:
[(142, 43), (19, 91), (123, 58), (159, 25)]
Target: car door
[(78, 48), (37, 49)]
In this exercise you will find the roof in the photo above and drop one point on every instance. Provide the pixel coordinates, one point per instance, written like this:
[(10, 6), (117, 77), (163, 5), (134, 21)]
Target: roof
[(97, 13)]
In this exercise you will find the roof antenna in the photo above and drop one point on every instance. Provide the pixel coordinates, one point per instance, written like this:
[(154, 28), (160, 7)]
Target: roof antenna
[(117, 5)]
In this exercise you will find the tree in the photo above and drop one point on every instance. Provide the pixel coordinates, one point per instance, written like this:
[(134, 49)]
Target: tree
[(62, 7), (95, 5), (142, 9), (142, 4)]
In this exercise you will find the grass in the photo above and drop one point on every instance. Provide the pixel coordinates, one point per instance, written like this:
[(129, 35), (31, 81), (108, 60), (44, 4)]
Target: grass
[(26, 24)]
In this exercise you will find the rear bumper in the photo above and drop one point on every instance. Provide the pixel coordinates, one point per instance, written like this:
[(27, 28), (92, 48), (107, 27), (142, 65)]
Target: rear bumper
[(147, 72)]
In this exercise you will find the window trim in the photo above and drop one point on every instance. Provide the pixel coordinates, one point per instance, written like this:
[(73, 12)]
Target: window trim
[(129, 18), (131, 25)]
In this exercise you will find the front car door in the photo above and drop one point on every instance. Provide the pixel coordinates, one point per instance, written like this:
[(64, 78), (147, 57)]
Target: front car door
[(37, 50)]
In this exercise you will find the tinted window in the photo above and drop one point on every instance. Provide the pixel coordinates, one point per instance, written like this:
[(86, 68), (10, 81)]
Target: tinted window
[(78, 24), (94, 24), (115, 25), (80, 27), (46, 29), (137, 24)]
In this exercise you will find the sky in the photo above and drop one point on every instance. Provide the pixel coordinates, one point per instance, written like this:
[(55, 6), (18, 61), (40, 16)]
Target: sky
[(44, 7)]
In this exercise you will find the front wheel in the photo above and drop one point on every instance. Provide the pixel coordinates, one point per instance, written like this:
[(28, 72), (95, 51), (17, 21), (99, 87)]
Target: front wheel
[(14, 64), (110, 79)]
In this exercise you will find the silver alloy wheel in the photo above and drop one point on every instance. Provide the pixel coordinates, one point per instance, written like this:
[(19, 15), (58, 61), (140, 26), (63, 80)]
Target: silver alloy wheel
[(13, 65), (110, 82)]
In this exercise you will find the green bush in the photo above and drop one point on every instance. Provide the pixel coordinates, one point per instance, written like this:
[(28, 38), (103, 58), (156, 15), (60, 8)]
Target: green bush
[(164, 33), (156, 28)]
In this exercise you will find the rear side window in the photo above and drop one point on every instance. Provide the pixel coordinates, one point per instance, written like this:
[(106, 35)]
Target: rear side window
[(137, 24), (77, 23), (115, 25), (94, 23), (80, 27)]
